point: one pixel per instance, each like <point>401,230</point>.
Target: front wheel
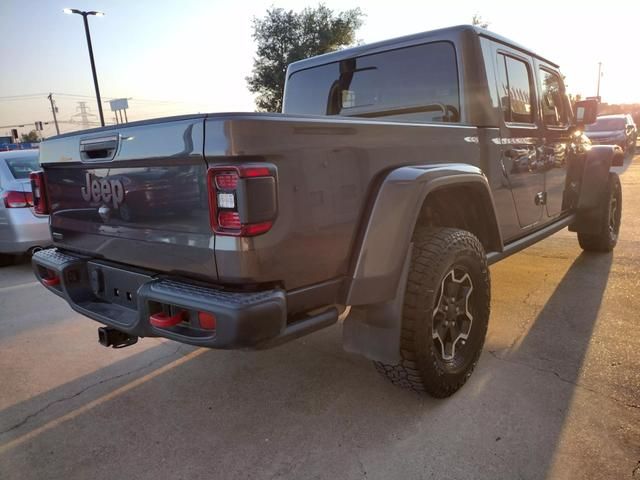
<point>445,312</point>
<point>607,237</point>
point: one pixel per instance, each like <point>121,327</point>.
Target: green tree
<point>478,21</point>
<point>30,137</point>
<point>285,36</point>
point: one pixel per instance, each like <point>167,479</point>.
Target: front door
<point>520,132</point>
<point>554,109</point>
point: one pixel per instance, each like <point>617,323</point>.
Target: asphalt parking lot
<point>556,394</point>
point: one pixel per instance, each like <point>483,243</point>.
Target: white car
<point>21,229</point>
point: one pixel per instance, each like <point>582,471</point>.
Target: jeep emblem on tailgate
<point>109,191</point>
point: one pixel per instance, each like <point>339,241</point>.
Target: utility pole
<point>599,76</point>
<point>53,109</point>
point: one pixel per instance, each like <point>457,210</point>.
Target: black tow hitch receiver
<point>111,337</point>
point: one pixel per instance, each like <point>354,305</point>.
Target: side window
<point>514,85</point>
<point>553,104</point>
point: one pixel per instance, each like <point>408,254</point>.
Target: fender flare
<point>376,288</point>
<point>392,218</point>
<point>593,185</point>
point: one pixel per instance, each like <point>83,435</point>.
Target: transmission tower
<point>83,114</point>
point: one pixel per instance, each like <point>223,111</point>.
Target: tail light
<point>39,193</point>
<point>15,199</point>
<point>242,199</point>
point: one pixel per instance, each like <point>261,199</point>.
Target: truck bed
<point>327,171</point>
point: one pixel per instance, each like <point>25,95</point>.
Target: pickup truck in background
<point>395,175</point>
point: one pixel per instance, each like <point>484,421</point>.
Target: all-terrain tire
<point>436,253</point>
<point>607,237</point>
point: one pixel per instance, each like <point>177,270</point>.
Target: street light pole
<point>599,76</point>
<point>93,64</point>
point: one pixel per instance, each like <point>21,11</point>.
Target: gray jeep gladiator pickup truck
<point>395,175</point>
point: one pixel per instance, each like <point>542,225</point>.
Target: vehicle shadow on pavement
<point>309,410</point>
<point>29,415</point>
<point>554,351</point>
<point>271,412</point>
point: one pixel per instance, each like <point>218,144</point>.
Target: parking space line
<point>119,391</point>
<point>19,286</point>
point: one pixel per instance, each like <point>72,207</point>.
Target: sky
<point>187,56</point>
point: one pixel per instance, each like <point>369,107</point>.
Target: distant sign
<point>5,147</point>
<point>118,104</point>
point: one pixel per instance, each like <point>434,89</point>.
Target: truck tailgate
<point>133,194</point>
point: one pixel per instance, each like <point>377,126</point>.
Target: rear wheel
<point>445,312</point>
<point>607,237</point>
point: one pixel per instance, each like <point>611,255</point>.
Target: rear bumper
<point>243,319</point>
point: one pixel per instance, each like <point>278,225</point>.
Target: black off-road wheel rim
<point>452,319</point>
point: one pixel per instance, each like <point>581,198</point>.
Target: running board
<point>529,240</point>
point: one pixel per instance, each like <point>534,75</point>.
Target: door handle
<point>540,198</point>
<point>96,149</point>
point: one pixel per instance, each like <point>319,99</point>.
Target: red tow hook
<point>50,282</point>
<point>162,320</point>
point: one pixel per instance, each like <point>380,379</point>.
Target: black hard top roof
<point>448,33</point>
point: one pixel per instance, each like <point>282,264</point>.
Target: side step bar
<point>303,327</point>
<point>534,237</point>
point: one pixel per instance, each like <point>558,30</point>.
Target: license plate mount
<point>116,285</point>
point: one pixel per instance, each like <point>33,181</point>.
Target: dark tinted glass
<point>503,89</point>
<point>21,167</point>
<point>417,83</point>
<point>514,88</point>
<point>553,103</point>
<point>519,91</point>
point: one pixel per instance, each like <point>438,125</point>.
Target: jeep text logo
<point>107,191</point>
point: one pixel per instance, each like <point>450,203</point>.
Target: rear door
<point>520,134</point>
<point>133,194</point>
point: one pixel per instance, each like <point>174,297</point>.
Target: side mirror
<point>586,112</point>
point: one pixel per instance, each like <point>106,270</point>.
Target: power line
<point>78,95</point>
<point>12,97</point>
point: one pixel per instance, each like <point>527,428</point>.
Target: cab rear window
<point>21,167</point>
<point>416,84</point>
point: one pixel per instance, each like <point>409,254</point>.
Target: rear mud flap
<point>374,330</point>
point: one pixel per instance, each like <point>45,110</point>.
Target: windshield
<point>21,167</point>
<point>606,125</point>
